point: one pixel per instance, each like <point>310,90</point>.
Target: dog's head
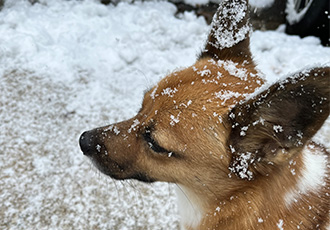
<point>205,125</point>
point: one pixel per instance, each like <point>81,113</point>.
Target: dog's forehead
<point>219,84</point>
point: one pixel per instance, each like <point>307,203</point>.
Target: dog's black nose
<point>86,142</point>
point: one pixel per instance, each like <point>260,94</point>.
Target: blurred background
<point>301,17</point>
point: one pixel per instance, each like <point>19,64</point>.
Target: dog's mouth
<point>115,171</point>
<point>143,178</point>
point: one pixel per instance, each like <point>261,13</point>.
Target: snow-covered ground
<point>69,66</point>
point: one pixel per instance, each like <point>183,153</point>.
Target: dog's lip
<point>109,168</point>
<point>121,176</point>
<point>143,177</point>
<point>108,172</point>
<point>118,172</point>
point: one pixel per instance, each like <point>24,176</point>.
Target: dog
<point>240,152</point>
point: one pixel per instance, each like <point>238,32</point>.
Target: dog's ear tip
<point>230,32</point>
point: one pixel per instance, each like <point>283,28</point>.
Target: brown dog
<point>242,159</point>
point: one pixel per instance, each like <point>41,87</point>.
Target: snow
<point>198,2</point>
<point>225,95</point>
<point>228,30</point>
<point>174,119</point>
<point>134,126</point>
<point>292,15</point>
<point>278,128</point>
<point>70,66</point>
<point>261,3</point>
<point>169,92</point>
<point>233,70</point>
<point>241,165</point>
<point>280,224</point>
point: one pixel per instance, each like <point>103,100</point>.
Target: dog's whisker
<point>123,186</point>
<point>138,192</point>
<point>115,184</point>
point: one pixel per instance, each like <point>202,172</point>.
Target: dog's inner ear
<point>274,125</point>
<point>229,35</point>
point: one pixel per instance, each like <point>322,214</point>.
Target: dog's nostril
<point>86,142</point>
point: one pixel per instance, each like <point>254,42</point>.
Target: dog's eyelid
<point>153,143</point>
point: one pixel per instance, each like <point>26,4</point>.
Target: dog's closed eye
<point>152,143</point>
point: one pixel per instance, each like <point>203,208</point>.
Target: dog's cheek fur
<point>202,160</point>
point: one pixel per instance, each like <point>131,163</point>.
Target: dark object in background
<point>106,2</point>
<point>314,21</point>
<point>207,11</point>
<point>268,18</point>
<point>302,17</point>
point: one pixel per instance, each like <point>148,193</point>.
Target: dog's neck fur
<point>264,203</point>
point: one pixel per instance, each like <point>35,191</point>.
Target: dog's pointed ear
<point>229,37</point>
<point>272,127</point>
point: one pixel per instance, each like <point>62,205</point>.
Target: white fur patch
<point>312,177</point>
<point>328,227</point>
<point>190,209</point>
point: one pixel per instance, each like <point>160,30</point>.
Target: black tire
<point>314,22</point>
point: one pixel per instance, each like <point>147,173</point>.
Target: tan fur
<point>263,200</point>
<point>189,116</point>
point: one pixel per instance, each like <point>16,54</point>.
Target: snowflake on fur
<point>241,164</point>
<point>230,30</point>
